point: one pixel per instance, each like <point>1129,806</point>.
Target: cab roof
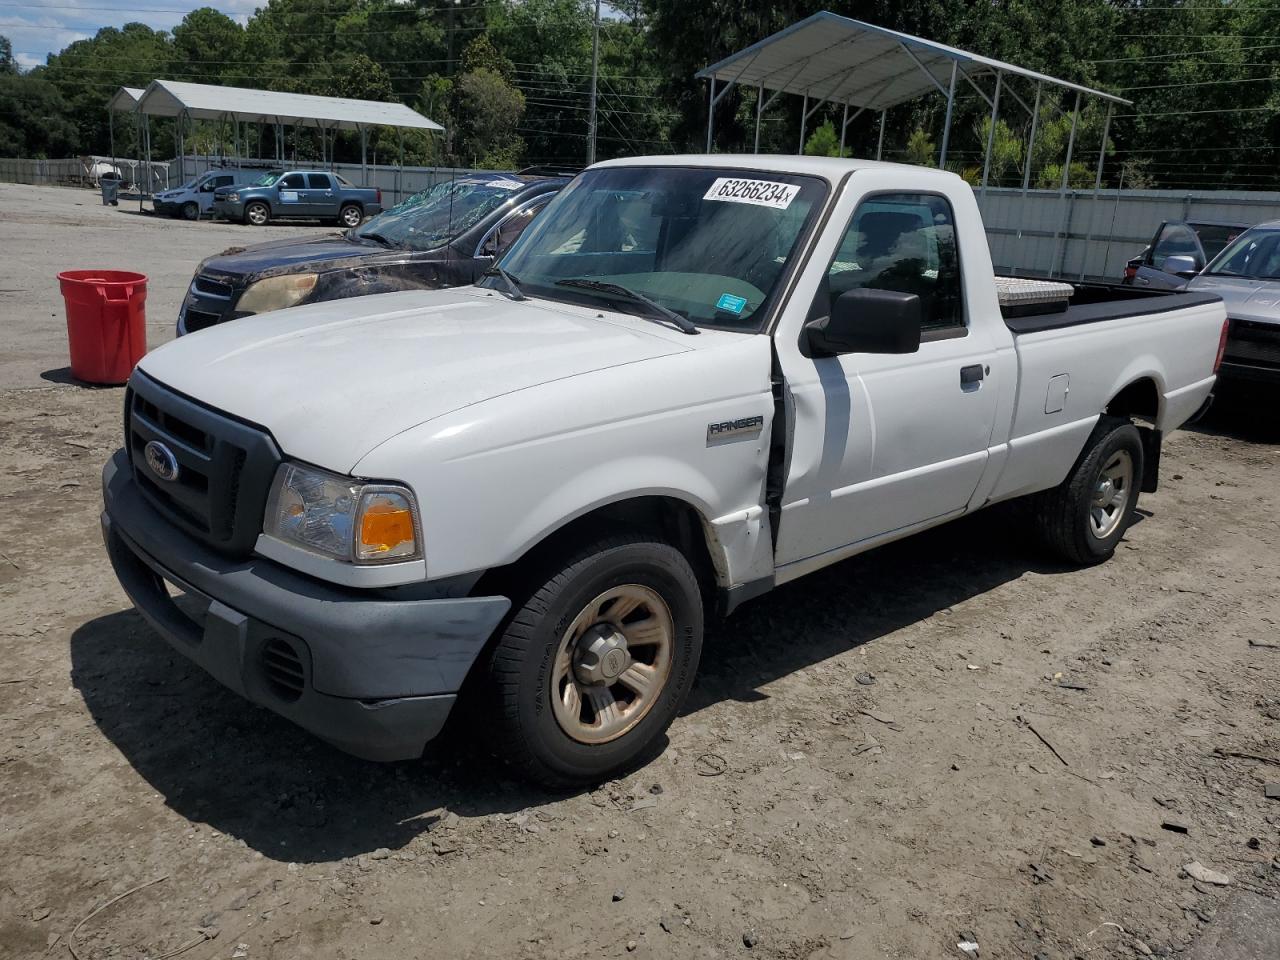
<point>832,169</point>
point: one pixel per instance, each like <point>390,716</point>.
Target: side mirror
<point>1181,266</point>
<point>868,321</point>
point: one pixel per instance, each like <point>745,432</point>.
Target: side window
<point>1176,240</point>
<point>318,181</point>
<point>509,229</point>
<point>223,182</point>
<point>293,181</point>
<point>1214,239</point>
<point>907,243</point>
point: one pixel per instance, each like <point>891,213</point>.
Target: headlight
<point>339,517</point>
<point>276,293</point>
<point>233,197</point>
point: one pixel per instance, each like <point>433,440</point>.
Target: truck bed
<point>1096,302</point>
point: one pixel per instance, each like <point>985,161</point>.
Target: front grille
<point>200,320</point>
<point>282,668</point>
<point>1252,342</point>
<point>213,288</point>
<point>224,466</point>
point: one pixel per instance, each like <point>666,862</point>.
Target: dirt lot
<point>1003,771</point>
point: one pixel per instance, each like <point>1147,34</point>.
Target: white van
<point>194,200</point>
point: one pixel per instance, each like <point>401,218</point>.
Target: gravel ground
<point>947,739</point>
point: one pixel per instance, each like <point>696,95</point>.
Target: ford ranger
<point>692,379</point>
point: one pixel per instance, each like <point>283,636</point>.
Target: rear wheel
<point>350,215</point>
<point>257,214</point>
<point>597,661</point>
<point>1084,518</point>
<point>190,210</point>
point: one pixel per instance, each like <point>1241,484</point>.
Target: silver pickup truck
<point>1246,275</point>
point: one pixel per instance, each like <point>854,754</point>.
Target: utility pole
<point>449,33</point>
<point>595,69</point>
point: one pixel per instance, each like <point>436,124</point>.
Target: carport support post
<point>1071,144</point>
<point>711,112</point>
<point>880,142</point>
<point>946,123</point>
<point>1031,141</point>
<point>1102,151</point>
<point>804,116</point>
<point>759,110</point>
<point>991,134</point>
<point>364,154</point>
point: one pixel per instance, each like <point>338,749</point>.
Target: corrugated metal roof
<point>125,100</point>
<point>830,57</point>
<point>202,101</point>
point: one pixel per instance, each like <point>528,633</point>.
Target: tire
<point>350,216</point>
<point>543,652</point>
<point>257,214</point>
<point>190,210</point>
<point>1083,519</point>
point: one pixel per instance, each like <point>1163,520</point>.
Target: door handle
<point>971,374</point>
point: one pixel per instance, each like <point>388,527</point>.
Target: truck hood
<point>1245,299</point>
<point>331,381</point>
<point>290,256</point>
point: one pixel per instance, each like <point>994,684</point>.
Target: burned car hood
<point>295,256</point>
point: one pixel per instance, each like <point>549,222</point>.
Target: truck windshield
<point>433,217</point>
<point>1255,254</point>
<point>710,244</point>
<point>267,179</point>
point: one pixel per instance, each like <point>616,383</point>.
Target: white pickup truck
<point>693,379</point>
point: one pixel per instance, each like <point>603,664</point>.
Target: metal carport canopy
<point>125,100</point>
<point>833,58</point>
<point>828,58</point>
<point>201,101</point>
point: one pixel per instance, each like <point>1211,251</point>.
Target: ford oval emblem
<point>161,460</point>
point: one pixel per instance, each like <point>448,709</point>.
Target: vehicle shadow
<point>863,599</point>
<point>248,773</point>
<point>1243,411</point>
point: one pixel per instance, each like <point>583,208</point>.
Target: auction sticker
<point>761,193</point>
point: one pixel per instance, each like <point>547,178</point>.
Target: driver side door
<point>887,442</point>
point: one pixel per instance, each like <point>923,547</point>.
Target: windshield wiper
<point>620,292</point>
<point>510,282</point>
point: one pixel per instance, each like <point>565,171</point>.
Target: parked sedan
<point>443,237</point>
<point>1247,277</point>
<point>1178,251</point>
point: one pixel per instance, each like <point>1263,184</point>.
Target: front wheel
<point>257,214</point>
<point>350,216</point>
<point>190,211</point>
<point>1083,519</point>
<point>597,661</point>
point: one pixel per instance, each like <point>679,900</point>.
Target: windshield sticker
<point>731,303</point>
<point>760,193</point>
<point>505,184</point>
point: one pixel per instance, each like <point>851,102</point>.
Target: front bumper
<point>230,209</point>
<point>164,207</point>
<point>1253,352</point>
<point>374,675</point>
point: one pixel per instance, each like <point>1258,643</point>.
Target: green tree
<point>491,110</point>
<point>207,45</point>
<point>7,64</point>
<point>921,150</point>
<point>824,142</point>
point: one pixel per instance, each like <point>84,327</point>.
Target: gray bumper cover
<point>381,674</point>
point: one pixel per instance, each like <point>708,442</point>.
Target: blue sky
<point>41,27</point>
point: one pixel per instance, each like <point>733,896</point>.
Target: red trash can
<point>106,323</point>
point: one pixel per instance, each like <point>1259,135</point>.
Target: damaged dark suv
<point>446,236</point>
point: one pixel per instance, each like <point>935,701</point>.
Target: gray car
<point>1247,276</point>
